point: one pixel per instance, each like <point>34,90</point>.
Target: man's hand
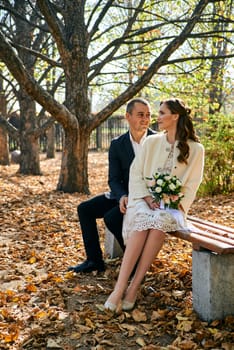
<point>151,203</point>
<point>123,202</point>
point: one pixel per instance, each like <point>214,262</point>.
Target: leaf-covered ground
<point>44,307</point>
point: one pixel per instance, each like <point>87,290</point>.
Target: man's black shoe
<point>88,266</point>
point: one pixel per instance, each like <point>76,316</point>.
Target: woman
<point>176,151</point>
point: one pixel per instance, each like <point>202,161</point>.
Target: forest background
<point>77,63</point>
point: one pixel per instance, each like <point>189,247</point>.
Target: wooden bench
<point>212,266</point>
<point>208,235</point>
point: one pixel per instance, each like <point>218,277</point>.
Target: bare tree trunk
<point>216,90</point>
<point>50,134</point>
<point>217,68</point>
<point>4,148</point>
<point>74,167</point>
<point>29,143</point>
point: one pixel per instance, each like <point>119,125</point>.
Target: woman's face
<point>166,119</point>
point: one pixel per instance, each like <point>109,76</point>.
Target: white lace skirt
<point>140,217</point>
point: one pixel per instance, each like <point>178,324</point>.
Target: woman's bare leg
<point>152,246</point>
<point>134,248</point>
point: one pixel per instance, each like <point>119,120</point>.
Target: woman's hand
<point>123,202</point>
<point>151,203</point>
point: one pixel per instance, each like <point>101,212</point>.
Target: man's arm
<point>116,173</point>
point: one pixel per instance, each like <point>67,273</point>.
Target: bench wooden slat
<point>216,234</point>
<point>199,241</point>
<point>212,244</point>
<point>216,231</point>
<point>194,220</point>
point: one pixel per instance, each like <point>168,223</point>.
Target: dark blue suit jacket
<point>121,155</point>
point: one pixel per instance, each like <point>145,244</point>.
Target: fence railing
<point>100,138</point>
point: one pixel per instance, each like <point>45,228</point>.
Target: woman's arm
<point>192,176</point>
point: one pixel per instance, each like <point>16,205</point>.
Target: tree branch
<point>54,24</point>
<point>100,16</point>
<point>118,42</point>
<point>194,58</point>
<point>42,129</point>
<point>12,131</point>
<point>59,111</point>
<point>37,54</point>
<point>11,10</point>
<point>154,67</point>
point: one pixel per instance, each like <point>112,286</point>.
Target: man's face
<point>139,119</point>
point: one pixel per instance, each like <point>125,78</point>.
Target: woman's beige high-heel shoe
<point>128,305</point>
<point>110,306</point>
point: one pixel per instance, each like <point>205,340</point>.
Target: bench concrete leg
<point>213,285</point>
<point>112,247</point>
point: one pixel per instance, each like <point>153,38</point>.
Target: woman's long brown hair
<point>185,129</point>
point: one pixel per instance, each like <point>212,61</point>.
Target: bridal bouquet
<point>165,189</point>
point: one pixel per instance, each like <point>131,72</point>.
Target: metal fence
<point>100,138</point>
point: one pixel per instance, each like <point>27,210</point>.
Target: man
<point>107,206</point>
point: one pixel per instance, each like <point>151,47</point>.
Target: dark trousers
<point>96,208</point>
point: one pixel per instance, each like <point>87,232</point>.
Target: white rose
<point>158,189</point>
<point>172,187</point>
<point>159,182</point>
